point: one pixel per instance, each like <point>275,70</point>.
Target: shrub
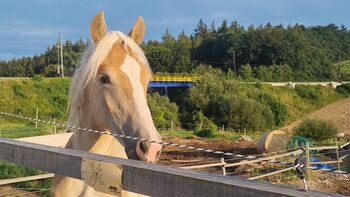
<point>38,78</point>
<point>163,111</point>
<point>316,129</point>
<point>279,110</point>
<point>206,133</point>
<point>344,89</point>
<point>309,92</point>
<point>18,91</point>
<point>238,111</point>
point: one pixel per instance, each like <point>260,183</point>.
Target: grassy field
<point>25,95</point>
<point>223,135</point>
<point>15,129</point>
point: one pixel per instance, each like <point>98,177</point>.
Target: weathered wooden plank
<point>140,177</point>
<point>203,165</point>
<point>271,173</point>
<point>244,162</point>
<point>325,162</point>
<point>343,157</point>
<point>344,145</point>
<point>24,179</point>
<point>323,147</point>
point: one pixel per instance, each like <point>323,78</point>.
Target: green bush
<point>309,92</point>
<point>38,78</point>
<point>316,129</point>
<point>163,111</point>
<point>205,133</point>
<point>344,89</point>
<point>18,91</point>
<point>200,121</point>
<point>278,109</point>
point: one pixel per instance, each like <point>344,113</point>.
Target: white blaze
<point>132,69</point>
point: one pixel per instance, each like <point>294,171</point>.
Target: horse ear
<point>98,27</point>
<point>138,31</point>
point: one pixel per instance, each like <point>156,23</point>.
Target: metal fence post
<point>307,150</point>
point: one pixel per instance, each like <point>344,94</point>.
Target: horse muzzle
<point>147,151</point>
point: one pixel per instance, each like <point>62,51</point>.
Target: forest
<point>265,53</point>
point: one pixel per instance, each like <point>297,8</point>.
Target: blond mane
<point>89,64</point>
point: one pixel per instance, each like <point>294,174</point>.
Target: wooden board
<point>24,179</point>
<point>144,178</point>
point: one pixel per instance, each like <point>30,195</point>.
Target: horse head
<point>110,86</point>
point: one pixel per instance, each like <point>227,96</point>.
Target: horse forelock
<point>90,63</point>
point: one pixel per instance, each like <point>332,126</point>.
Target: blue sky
<point>27,27</point>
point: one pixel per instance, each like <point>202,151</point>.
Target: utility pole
<point>58,59</point>
<point>339,70</point>
<point>61,51</point>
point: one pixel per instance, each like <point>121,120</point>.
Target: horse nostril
<point>145,145</point>
<point>141,149</point>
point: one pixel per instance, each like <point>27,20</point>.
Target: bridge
<point>165,81</point>
<point>160,81</point>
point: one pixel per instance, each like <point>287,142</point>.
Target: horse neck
<point>89,141</point>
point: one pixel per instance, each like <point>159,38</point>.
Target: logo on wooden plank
<point>102,176</point>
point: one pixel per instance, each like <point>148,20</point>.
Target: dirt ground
<point>320,181</point>
<point>325,182</point>
<point>173,156</point>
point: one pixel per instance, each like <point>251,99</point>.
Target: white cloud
<point>25,28</point>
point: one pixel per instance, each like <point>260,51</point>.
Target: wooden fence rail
<point>140,177</point>
<point>24,179</point>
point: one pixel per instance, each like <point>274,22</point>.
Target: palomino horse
<point>108,93</point>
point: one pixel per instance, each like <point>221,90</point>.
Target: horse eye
<point>105,79</point>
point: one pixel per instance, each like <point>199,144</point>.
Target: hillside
<point>50,95</point>
<point>337,112</point>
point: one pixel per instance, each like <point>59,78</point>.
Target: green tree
<point>163,111</point>
<point>247,72</point>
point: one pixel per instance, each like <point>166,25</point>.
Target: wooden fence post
<point>337,151</point>
<point>307,150</point>
<point>36,117</point>
<point>223,166</point>
<point>54,126</point>
<point>172,126</point>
